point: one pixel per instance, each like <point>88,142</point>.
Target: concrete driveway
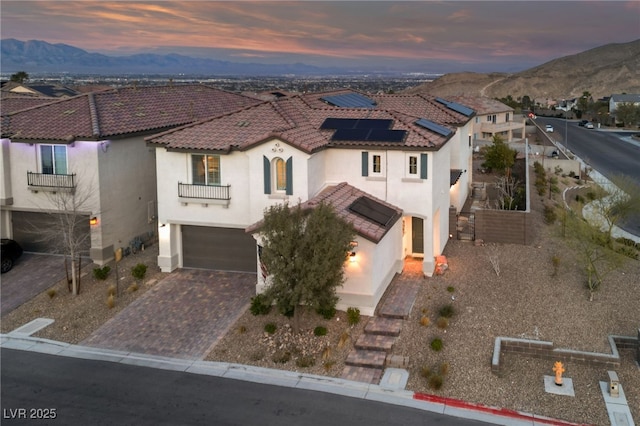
<point>182,316</point>
<point>32,274</point>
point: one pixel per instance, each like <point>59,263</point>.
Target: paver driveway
<point>31,275</point>
<point>182,316</point>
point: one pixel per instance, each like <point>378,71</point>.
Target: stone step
<point>384,326</point>
<point>362,374</point>
<point>375,342</point>
<point>362,358</point>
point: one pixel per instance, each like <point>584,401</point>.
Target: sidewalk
<point>22,341</point>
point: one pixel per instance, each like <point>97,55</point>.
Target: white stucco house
<point>493,118</point>
<point>617,99</point>
<point>385,162</point>
<point>91,147</point>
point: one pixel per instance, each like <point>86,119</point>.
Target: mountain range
<point>602,71</point>
<point>39,56</point>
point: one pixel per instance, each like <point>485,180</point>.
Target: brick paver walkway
<point>182,316</point>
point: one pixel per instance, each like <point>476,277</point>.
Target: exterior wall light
<point>93,221</point>
<point>352,255</point>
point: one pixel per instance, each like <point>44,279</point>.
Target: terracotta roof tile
<point>341,197</point>
<point>117,112</point>
<point>297,120</point>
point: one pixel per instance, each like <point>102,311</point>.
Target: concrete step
<point>363,358</point>
<point>384,326</point>
<point>375,342</point>
<point>362,374</point>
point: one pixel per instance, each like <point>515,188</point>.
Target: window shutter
<point>290,176</point>
<point>267,175</point>
<point>423,166</point>
<point>365,164</point>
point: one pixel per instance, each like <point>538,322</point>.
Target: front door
<point>417,236</point>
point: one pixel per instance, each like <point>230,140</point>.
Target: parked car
<point>582,123</point>
<point>11,251</point>
<point>588,125</point>
<point>548,128</point>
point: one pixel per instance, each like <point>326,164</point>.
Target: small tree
<point>498,156</point>
<point>20,77</point>
<point>628,113</point>
<point>304,251</point>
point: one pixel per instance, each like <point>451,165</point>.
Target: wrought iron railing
<point>46,180</point>
<point>207,192</point>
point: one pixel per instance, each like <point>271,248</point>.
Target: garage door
<point>225,249</point>
<point>41,232</point>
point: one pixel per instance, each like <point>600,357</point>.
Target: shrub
<point>447,311</point>
<point>550,215</point>
<point>281,357</point>
<point>450,289</point>
<point>436,344</point>
<point>353,316</point>
<point>133,288</point>
<point>436,381</point>
<point>270,328</point>
<point>555,261</point>
<point>52,292</point>
<point>320,331</point>
<point>242,329</point>
<point>442,323</point>
<point>305,361</point>
<point>326,353</point>
<point>101,273</point>
<point>139,271</point>
<point>260,305</point>
<point>111,302</point>
<point>257,355</point>
<point>627,251</point>
<point>425,371</point>
<point>328,364</point>
<point>444,368</point>
<point>591,195</point>
<point>344,338</point>
<point>327,312</point>
<point>555,189</point>
<point>425,321</point>
<point>580,199</point>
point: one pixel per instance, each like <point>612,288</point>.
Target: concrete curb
<point>426,402</point>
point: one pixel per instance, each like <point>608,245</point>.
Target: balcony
<point>204,194</point>
<point>50,182</point>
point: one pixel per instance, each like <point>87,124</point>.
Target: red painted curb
<point>504,412</point>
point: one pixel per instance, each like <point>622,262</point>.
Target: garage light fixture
<point>93,221</point>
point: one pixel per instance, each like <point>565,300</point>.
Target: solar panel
<point>430,125</point>
<point>356,123</point>
<point>369,135</point>
<point>464,110</point>
<point>373,211</point>
<point>350,100</point>
<point>384,135</point>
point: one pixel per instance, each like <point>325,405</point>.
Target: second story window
<point>53,159</point>
<point>280,174</point>
<point>413,165</point>
<point>205,169</point>
<point>376,163</point>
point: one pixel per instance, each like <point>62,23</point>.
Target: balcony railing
<point>205,192</point>
<point>51,181</point>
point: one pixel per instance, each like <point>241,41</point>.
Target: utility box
<point>614,384</point>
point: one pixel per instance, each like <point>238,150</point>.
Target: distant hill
<point>39,56</point>
<point>612,68</point>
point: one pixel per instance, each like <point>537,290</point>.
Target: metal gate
<point>466,228</point>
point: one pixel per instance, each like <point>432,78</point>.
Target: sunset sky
<point>414,35</point>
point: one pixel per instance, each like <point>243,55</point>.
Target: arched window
<point>280,174</point>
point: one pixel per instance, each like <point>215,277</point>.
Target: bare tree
<point>66,232</point>
<point>509,193</point>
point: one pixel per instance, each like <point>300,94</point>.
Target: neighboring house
<point>567,104</point>
<point>10,102</point>
<point>393,165</point>
<point>40,90</point>
<point>493,118</point>
<point>616,100</point>
<point>92,146</point>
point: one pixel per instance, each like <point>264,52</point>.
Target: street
<point>47,389</point>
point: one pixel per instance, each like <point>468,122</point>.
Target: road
<point>611,153</point>
<point>89,392</point>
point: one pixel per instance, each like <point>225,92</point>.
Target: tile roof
<point>13,102</point>
<point>120,112</point>
<point>341,196</point>
<point>482,104</point>
<point>297,119</point>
